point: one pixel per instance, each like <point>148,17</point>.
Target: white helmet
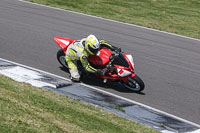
<point>92,44</point>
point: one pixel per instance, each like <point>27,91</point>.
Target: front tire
<point>135,84</point>
<point>61,58</point>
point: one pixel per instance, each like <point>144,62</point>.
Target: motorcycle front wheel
<point>61,58</point>
<point>135,84</point>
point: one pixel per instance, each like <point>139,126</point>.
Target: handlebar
<point>109,66</point>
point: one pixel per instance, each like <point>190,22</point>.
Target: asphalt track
<point>168,64</point>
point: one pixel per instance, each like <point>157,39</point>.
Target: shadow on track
<point>93,81</point>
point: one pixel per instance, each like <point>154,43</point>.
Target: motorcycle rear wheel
<point>135,84</point>
<point>61,58</point>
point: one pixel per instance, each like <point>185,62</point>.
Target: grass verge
<point>24,108</point>
<point>176,16</point>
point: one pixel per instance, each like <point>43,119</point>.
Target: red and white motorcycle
<point>119,66</point>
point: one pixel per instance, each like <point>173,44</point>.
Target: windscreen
<point>121,61</point>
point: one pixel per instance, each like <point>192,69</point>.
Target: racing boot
<point>74,75</point>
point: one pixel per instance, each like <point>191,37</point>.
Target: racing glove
<point>113,48</point>
<point>101,71</point>
<point>116,49</point>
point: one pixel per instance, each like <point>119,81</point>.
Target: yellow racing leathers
<point>76,51</point>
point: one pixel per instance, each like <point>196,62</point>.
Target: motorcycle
<point>119,67</point>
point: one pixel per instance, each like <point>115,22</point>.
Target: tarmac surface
<point>168,64</point>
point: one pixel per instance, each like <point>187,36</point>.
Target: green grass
<point>176,16</point>
<point>117,108</point>
<point>24,108</point>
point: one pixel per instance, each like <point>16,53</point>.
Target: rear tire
<point>135,84</point>
<point>61,58</point>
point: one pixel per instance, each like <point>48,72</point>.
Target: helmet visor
<point>92,50</point>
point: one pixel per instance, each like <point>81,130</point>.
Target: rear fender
<point>63,42</point>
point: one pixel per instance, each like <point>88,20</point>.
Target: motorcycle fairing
<point>123,73</point>
<point>102,57</point>
<point>130,60</point>
<point>63,42</point>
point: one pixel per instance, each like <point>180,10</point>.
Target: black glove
<point>101,71</point>
<point>116,49</point>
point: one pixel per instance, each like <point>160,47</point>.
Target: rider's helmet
<point>92,44</point>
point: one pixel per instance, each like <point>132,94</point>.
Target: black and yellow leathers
<point>76,51</point>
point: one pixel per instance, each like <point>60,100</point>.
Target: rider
<point>80,50</point>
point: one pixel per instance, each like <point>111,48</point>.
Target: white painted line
<point>108,93</point>
<point>166,131</point>
<point>143,105</point>
<point>111,20</point>
<point>22,74</point>
<point>35,69</point>
<point>197,131</point>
